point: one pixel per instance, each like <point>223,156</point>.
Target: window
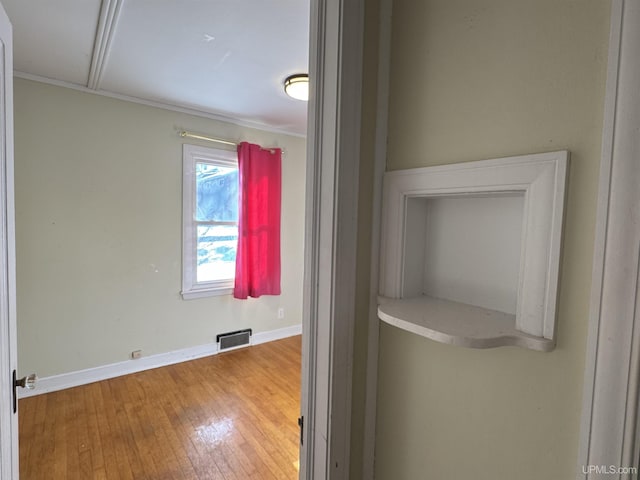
<point>210,221</point>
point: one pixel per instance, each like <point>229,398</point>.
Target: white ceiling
<point>224,58</point>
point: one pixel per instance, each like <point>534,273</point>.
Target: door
<point>8,347</point>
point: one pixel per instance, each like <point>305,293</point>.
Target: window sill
<point>209,292</point>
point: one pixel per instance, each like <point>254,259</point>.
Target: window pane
<point>216,252</point>
<point>216,193</point>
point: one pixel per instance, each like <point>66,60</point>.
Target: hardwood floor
<point>228,416</point>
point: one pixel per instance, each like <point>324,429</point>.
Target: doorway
<point>99,234</point>
<point>326,397</point>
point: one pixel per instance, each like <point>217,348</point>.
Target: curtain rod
<point>184,133</point>
<point>197,136</point>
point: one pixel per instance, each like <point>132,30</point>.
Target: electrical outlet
<point>136,354</point>
<point>280,313</point>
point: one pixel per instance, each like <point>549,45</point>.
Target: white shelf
<point>457,324</point>
<point>485,235</point>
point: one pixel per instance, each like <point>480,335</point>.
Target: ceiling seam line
<point>107,22</point>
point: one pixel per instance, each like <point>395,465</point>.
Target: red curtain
<point>258,254</point>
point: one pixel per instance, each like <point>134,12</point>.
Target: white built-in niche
<point>470,252</point>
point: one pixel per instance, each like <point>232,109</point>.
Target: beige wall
<point>483,79</point>
<point>98,227</point>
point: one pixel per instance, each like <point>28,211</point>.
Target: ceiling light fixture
<point>297,86</point>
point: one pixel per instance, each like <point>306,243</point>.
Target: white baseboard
<point>90,375</point>
<point>271,335</point>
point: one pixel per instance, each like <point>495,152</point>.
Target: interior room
<point>459,234</point>
<point>99,108</point>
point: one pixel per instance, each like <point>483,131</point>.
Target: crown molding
<point>164,106</point>
<point>107,23</point>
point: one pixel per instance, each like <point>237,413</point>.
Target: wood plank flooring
<point>231,416</point>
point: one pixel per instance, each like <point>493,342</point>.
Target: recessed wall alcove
<point>470,252</point>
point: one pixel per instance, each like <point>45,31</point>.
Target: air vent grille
<point>233,340</point>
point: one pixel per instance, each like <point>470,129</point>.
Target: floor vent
<point>233,340</point>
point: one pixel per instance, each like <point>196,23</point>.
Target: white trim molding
<point>9,462</point>
<point>104,372</point>
<point>191,156</point>
<point>333,151</point>
<point>379,167</point>
<point>109,14</point>
<point>609,427</point>
<point>541,179</point>
<point>218,116</point>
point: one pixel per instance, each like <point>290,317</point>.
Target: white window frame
<point>192,154</point>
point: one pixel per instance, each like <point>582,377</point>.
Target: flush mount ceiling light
<point>297,86</point>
